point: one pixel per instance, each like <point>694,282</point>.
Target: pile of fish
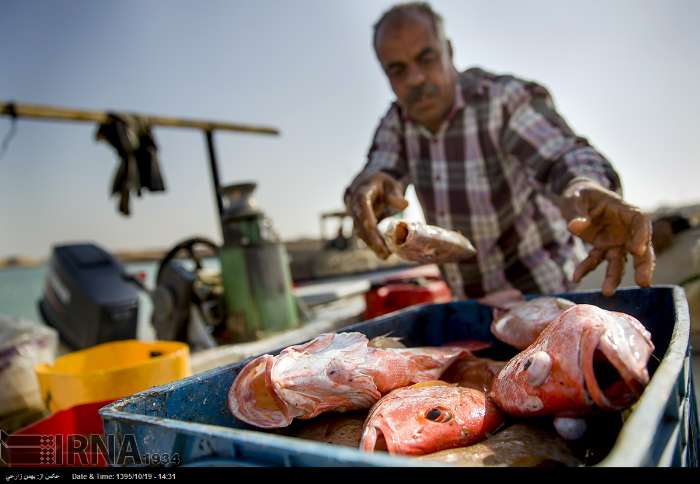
<point>446,403</point>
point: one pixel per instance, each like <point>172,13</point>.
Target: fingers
<point>394,194</point>
<point>588,230</point>
<point>586,219</point>
<point>599,209</point>
<point>579,224</point>
<point>588,264</point>
<point>640,229</point>
<point>616,257</point>
<point>614,228</point>
<point>644,267</point>
<point>366,221</point>
<point>587,199</point>
<point>396,201</point>
<point>370,201</point>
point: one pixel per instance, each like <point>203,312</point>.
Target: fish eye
<point>439,415</point>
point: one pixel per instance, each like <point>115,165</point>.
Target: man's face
<point>419,68</point>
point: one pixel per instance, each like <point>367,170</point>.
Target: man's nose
<point>416,76</point>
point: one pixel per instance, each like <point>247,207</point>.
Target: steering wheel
<point>187,245</point>
<point>171,313</point>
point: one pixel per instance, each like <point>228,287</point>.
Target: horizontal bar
<point>35,111</point>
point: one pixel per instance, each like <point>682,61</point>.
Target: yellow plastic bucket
<point>110,371</point>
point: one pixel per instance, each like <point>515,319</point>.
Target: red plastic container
<point>69,438</point>
<point>395,294</point>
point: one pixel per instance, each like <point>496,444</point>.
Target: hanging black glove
<point>135,145</point>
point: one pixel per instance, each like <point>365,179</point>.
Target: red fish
<point>429,417</point>
<point>587,357</point>
<point>522,322</point>
<point>334,372</point>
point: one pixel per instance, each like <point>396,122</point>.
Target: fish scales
<point>429,417</point>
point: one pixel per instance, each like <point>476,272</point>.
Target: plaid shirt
<point>492,172</point>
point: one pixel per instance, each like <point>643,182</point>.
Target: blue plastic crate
<point>188,422</point>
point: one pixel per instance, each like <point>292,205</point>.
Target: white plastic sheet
<point>23,344</point>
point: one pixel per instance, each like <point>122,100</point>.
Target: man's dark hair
<point>403,10</point>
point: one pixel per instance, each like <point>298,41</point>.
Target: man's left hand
<point>614,228</point>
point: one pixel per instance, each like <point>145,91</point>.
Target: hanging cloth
<point>132,140</point>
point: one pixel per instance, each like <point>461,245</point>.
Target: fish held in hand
<point>428,417</point>
<point>522,322</point>
<point>586,358</point>
<point>427,244</point>
<point>333,372</point>
<point>520,445</point>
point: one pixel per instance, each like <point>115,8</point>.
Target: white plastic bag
<point>23,344</point>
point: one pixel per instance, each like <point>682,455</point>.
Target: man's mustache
<point>418,92</point>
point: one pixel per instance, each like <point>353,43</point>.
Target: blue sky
<point>624,73</point>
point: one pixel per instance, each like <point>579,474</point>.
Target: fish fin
<point>376,342</point>
<point>388,336</point>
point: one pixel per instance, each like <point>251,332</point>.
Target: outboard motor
<point>87,298</point>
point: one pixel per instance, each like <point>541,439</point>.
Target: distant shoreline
<point>20,262</point>
<point>13,262</point>
<point>144,255</point>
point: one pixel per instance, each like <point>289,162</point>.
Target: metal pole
<point>52,113</point>
<point>214,172</point>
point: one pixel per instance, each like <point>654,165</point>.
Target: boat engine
<point>86,297</point>
<point>91,299</point>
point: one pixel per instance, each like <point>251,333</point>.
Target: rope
<point>12,112</point>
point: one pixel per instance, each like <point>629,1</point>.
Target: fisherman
<point>490,157</point>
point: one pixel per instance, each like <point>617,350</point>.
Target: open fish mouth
<point>400,234</point>
<point>374,440</point>
<point>254,400</point>
<point>615,375</point>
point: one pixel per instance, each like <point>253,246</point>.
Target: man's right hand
<point>371,201</point>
